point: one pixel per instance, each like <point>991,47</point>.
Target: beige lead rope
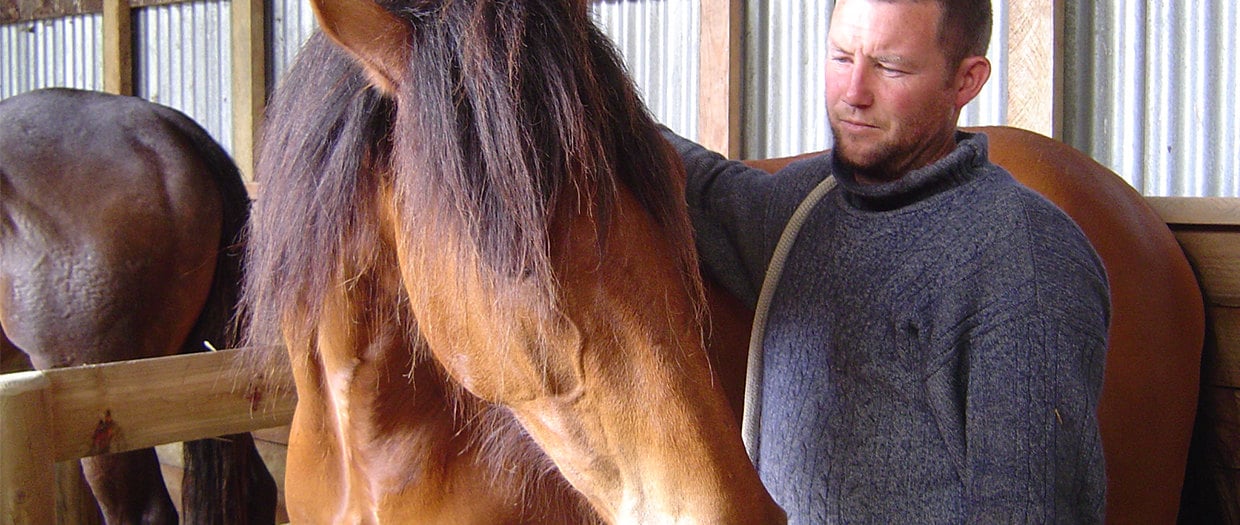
<point>751,422</point>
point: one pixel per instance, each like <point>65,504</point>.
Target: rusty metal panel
<point>182,59</point>
<point>60,52</point>
<point>1151,93</point>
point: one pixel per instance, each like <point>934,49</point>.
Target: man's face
<point>890,96</point>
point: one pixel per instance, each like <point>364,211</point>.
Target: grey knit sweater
<point>934,350</point>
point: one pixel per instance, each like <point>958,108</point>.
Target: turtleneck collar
<point>956,169</point>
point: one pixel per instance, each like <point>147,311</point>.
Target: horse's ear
<point>378,39</point>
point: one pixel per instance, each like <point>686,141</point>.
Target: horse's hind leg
<point>142,498</point>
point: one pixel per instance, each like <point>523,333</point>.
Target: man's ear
<point>378,39</point>
<point>970,77</point>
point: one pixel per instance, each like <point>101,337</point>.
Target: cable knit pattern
<point>935,349</point>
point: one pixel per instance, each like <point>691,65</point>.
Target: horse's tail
<point>225,480</point>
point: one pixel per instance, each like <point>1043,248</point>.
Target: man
<point>934,348</point>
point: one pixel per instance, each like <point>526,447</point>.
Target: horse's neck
<point>404,440</point>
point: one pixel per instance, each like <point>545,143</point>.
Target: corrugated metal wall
<point>63,52</point>
<point>659,42</point>
<point>289,24</point>
<point>1151,92</point>
<point>1134,99</point>
<point>657,38</point>
<point>182,59</point>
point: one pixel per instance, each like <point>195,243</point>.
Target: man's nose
<point>859,92</point>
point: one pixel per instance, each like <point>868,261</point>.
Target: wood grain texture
<point>1210,212</point>
<point>1035,78</point>
<point>719,79</point>
<point>116,407</point>
<point>249,80</point>
<point>27,472</point>
<point>1215,256</point>
<point>15,11</point>
<point>117,47</point>
<point>1221,359</point>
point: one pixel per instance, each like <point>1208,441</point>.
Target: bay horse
<point>473,243</point>
<point>119,221</point>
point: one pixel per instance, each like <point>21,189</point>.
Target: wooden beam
<point>116,407</point>
<point>27,474</point>
<point>70,413</point>
<point>1214,255</point>
<point>1035,71</point>
<point>249,80</point>
<point>14,11</point>
<point>719,77</point>
<point>1199,211</point>
<point>117,47</point>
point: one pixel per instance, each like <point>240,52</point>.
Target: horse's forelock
<point>509,106</point>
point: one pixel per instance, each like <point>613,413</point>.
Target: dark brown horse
<point>473,242</point>
<point>117,224</point>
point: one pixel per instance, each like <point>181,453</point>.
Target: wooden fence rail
<point>71,413</point>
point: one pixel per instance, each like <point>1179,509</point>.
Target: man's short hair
<point>964,30</point>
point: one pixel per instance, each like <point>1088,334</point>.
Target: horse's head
<point>536,226</point>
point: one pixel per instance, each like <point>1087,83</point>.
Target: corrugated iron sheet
<point>1151,93</point>
<point>62,52</point>
<point>182,59</point>
<point>1149,85</point>
<point>659,42</point>
<point>657,38</point>
<point>290,23</point>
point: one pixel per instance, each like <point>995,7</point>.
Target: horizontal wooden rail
<point>70,413</point>
<point>1197,211</point>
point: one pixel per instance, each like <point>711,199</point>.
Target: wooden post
<point>249,80</point>
<point>75,503</point>
<point>27,472</point>
<point>1035,58</point>
<point>719,78</point>
<point>117,47</point>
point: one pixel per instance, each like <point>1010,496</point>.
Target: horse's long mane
<point>322,128</point>
<point>506,108</point>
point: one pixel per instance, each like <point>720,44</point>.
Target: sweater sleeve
<point>728,204</point>
<point>1032,448</point>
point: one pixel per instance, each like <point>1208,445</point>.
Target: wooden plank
<point>719,77</point>
<point>27,474</point>
<point>249,79</point>
<point>1035,66</point>
<point>117,47</point>
<point>75,503</point>
<point>15,11</point>
<point>1221,410</point>
<point>129,405</point>
<point>1197,211</point>
<point>1221,359</point>
<point>1215,257</point>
